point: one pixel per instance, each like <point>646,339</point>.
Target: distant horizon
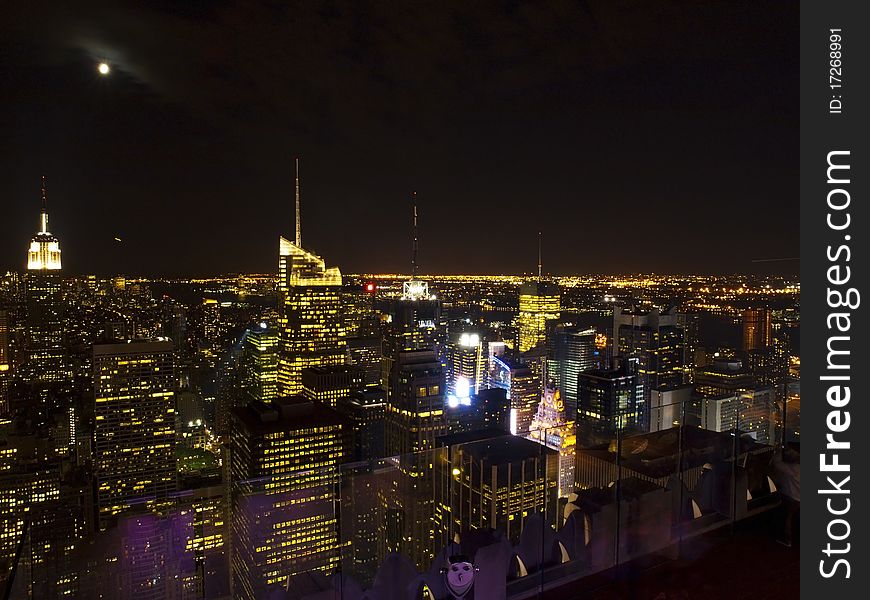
<point>228,274</point>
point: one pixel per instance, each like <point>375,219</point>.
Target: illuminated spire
<point>43,216</point>
<point>298,212</point>
<point>44,251</point>
<point>539,255</point>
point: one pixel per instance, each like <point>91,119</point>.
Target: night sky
<point>638,135</point>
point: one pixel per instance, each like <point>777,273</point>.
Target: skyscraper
<point>284,469</point>
<point>259,362</point>
<point>499,482</point>
<point>415,418</point>
<point>44,251</point>
<point>608,403</point>
<point>466,364</point>
<point>415,408</point>
<point>310,318</point>
<point>46,356</point>
<point>525,394</point>
<point>756,329</point>
<point>657,341</point>
<point>540,304</point>
<point>331,385</point>
<point>134,431</point>
<point>5,362</point>
<point>574,351</point>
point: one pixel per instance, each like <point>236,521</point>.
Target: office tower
<point>284,476</point>
<point>607,403</point>
<point>410,324</point>
<point>499,482</point>
<point>366,410</point>
<point>134,431</point>
<point>258,362</point>
<point>415,418</point>
<point>750,412</point>
<point>330,385</point>
<point>724,376</point>
<point>769,364</point>
<point>540,305</point>
<point>210,322</point>
<point>5,362</point>
<point>366,353</point>
<point>175,323</point>
<point>657,341</point>
<point>756,329</point>
<point>360,317</point>
<point>415,407</point>
<point>573,352</point>
<point>496,409</point>
<point>310,318</point>
<point>551,427</point>
<point>466,365</point>
<point>525,394</point>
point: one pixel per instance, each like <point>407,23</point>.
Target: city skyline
<point>518,140</point>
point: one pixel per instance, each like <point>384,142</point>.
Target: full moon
<point>103,68</point>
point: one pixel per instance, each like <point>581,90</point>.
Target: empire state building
<point>44,252</point>
<point>46,354</point>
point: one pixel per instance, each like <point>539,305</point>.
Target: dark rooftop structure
<point>283,414</point>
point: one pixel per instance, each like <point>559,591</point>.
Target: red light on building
<point>370,287</point>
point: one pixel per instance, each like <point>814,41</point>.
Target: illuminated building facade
<point>756,329</point>
<point>284,470</point>
<point>608,403</point>
<point>573,352</point>
<point>540,304</point>
<point>366,354</point>
<point>44,251</point>
<point>525,394</point>
<point>415,408</point>
<point>415,418</point>
<point>310,322</point>
<point>467,365</point>
<point>722,377</point>
<point>552,428</point>
<point>5,363</point>
<point>750,412</point>
<point>134,431</point>
<point>259,362</point>
<point>331,385</point>
<point>366,409</point>
<point>657,342</point>
<point>46,354</point>
<point>499,482</point>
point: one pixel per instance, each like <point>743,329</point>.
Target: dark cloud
<point>640,136</point>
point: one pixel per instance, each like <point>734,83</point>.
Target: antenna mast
<point>298,212</point>
<point>539,255</point>
<point>414,247</point>
<point>43,216</point>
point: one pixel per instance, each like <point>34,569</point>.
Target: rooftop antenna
<point>298,212</point>
<point>43,216</point>
<point>414,247</point>
<point>539,255</point>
